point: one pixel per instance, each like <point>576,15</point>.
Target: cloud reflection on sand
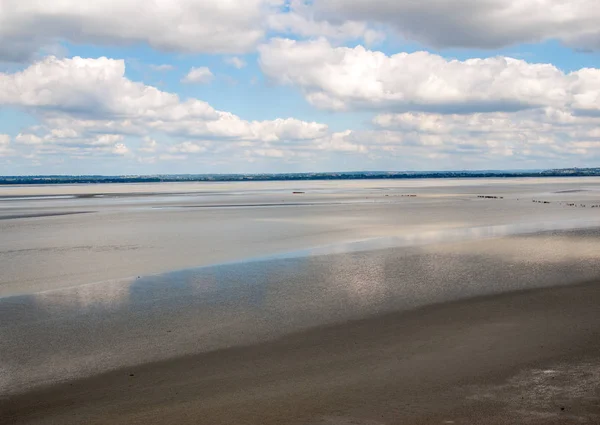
<point>86,297</point>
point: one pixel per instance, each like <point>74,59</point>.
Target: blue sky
<point>297,86</point>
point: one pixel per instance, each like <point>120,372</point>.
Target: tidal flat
<point>334,302</point>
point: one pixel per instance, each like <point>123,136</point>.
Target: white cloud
<point>236,26</point>
<point>475,23</point>
<point>88,108</point>
<point>120,149</point>
<point>194,26</point>
<point>201,75</point>
<point>169,157</point>
<point>28,139</point>
<point>109,140</point>
<point>88,87</point>
<point>66,141</point>
<point>231,127</point>
<point>162,68</point>
<point>269,153</point>
<point>64,133</point>
<point>148,145</point>
<point>5,149</point>
<point>345,141</point>
<point>89,105</point>
<point>289,129</point>
<point>236,62</point>
<point>188,147</point>
<point>542,133</point>
<point>342,78</point>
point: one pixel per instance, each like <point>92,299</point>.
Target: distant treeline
<point>359,175</point>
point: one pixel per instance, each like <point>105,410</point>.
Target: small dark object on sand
<point>298,193</point>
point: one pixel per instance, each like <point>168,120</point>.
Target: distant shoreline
<point>358,175</point>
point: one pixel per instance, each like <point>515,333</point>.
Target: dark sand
<point>40,215</point>
<point>528,357</point>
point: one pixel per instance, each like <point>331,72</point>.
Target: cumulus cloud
<point>478,112</point>
<point>545,133</point>
<point>201,75</point>
<point>87,87</point>
<point>228,126</point>
<point>194,26</point>
<point>57,140</point>
<point>236,62</point>
<point>474,23</point>
<point>89,104</point>
<point>341,78</point>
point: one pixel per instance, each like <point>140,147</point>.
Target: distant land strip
<point>350,175</point>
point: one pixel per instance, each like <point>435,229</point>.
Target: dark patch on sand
<point>39,215</point>
<point>249,205</point>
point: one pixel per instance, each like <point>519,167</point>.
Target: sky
<point>121,87</point>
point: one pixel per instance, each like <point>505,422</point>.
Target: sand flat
<point>121,237</point>
<point>352,304</point>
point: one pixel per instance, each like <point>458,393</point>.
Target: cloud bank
<point>342,78</point>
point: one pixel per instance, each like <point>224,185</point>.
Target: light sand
<point>123,237</point>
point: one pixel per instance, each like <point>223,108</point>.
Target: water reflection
<point>85,297</point>
<point>88,329</point>
<point>443,235</point>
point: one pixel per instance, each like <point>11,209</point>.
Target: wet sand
<point>346,308</point>
<point>527,357</point>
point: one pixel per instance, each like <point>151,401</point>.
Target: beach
<point>361,302</point>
